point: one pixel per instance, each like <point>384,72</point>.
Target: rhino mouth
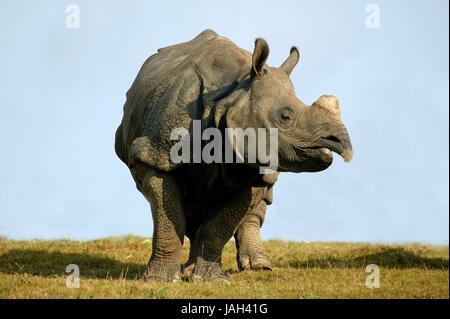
<point>343,148</point>
<point>319,153</point>
<point>332,144</point>
<point>327,145</point>
<point>317,157</point>
<point>309,159</point>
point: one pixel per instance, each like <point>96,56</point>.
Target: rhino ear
<point>291,61</point>
<point>260,54</point>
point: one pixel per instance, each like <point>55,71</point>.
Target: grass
<point>112,267</point>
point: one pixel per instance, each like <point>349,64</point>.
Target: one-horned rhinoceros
<point>211,87</point>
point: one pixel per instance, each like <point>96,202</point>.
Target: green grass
<point>112,267</point>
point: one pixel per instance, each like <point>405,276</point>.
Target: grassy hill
<point>111,268</point>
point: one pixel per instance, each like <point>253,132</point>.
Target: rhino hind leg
<point>250,250</point>
<point>216,231</point>
<point>162,191</point>
<point>192,226</point>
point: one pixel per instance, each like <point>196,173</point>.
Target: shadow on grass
<point>49,264</point>
<point>388,258</point>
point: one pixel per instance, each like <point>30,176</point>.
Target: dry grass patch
<point>112,268</point>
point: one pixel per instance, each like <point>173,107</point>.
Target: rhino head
<point>307,135</point>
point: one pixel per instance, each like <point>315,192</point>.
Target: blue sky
<point>62,93</point>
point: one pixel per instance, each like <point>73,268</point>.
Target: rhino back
<point>173,87</point>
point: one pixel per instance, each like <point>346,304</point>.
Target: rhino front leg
<point>250,250</point>
<point>163,193</point>
<point>215,232</point>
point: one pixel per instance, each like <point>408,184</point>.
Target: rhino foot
<point>250,249</point>
<point>253,261</point>
<point>209,271</point>
<point>162,271</point>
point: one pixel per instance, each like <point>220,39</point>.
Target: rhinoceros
<point>214,83</point>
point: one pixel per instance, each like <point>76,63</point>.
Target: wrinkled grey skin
<point>210,79</point>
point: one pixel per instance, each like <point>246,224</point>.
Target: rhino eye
<point>286,115</point>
